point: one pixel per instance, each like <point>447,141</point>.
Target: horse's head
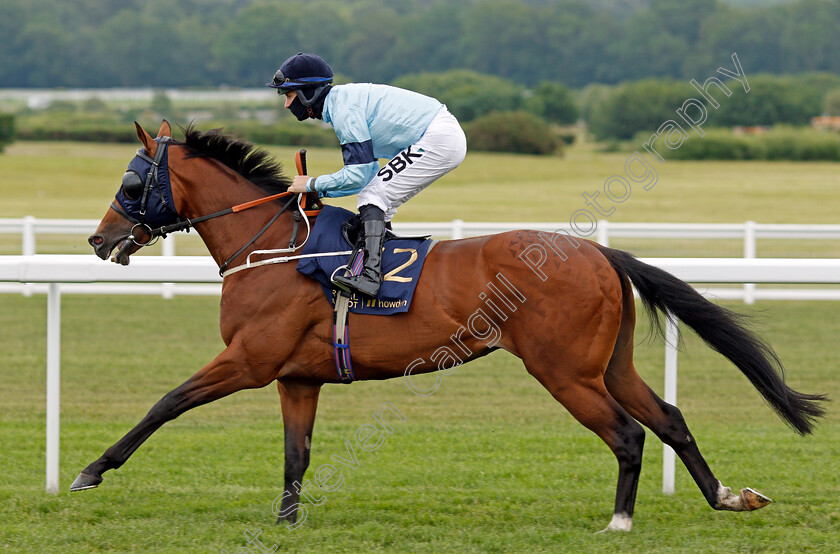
<point>172,186</point>
<point>143,202</point>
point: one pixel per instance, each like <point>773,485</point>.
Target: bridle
<point>134,186</point>
<point>131,185</point>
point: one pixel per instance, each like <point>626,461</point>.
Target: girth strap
<point>341,338</point>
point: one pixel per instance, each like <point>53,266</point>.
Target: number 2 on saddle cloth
<point>402,262</point>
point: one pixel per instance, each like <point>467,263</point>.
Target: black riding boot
<point>367,282</point>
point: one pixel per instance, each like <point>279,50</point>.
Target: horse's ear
<point>165,129</point>
<point>148,142</point>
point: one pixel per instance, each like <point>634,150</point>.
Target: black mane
<point>245,158</point>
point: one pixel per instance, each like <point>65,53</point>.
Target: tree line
<point>158,43</point>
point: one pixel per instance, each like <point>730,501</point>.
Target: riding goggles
<point>284,84</point>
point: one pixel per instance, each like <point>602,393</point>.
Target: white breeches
<point>440,150</point>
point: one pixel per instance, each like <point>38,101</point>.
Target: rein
<point>292,242</point>
<point>186,224</point>
<point>152,182</point>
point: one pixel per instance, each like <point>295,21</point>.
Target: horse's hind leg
<point>667,422</point>
<point>588,400</point>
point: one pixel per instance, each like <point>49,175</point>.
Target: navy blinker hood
<point>160,206</point>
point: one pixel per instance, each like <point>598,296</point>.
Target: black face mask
<point>298,109</point>
<point>315,109</point>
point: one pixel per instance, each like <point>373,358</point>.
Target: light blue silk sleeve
<point>350,179</point>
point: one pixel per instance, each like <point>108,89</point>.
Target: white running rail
<point>55,270</point>
<point>749,232</point>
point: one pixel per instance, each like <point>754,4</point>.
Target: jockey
<point>419,136</point>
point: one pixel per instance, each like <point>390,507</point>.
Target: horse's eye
<point>132,185</point>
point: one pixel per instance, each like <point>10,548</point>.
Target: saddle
<point>326,252</point>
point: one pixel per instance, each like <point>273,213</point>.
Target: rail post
<point>168,249</point>
<point>53,383</point>
<point>672,338</point>
<point>749,253</point>
<point>604,232</point>
<point>457,228</point>
<point>27,246</point>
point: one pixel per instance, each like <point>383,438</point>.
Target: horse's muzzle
<point>103,248</point>
<point>100,248</point>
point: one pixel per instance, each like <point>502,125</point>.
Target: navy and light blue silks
<point>372,122</point>
<point>402,262</point>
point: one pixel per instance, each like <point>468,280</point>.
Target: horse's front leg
<point>298,402</point>
<point>226,374</point>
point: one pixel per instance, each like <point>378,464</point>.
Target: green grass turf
<point>73,180</point>
<point>489,462</point>
<point>78,180</point>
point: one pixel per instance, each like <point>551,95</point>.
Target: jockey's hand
<point>299,183</point>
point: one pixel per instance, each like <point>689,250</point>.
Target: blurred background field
<point>527,77</point>
<point>78,180</point>
<point>555,96</point>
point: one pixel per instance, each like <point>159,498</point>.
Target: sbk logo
<point>398,164</point>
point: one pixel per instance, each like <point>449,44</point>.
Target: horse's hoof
<point>619,522</point>
<point>754,500</point>
<point>85,481</point>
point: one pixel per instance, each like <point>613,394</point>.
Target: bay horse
<point>570,318</point>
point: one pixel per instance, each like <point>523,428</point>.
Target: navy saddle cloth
<point>402,262</point>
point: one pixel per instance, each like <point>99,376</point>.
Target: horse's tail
<point>724,331</point>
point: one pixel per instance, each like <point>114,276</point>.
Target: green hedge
<point>467,94</point>
<point>86,127</point>
<point>519,132</point>
<point>620,112</point>
<point>627,109</point>
<point>553,102</point>
<point>778,144</point>
<point>287,133</point>
<point>801,145</point>
<point>7,130</point>
<point>72,126</point>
